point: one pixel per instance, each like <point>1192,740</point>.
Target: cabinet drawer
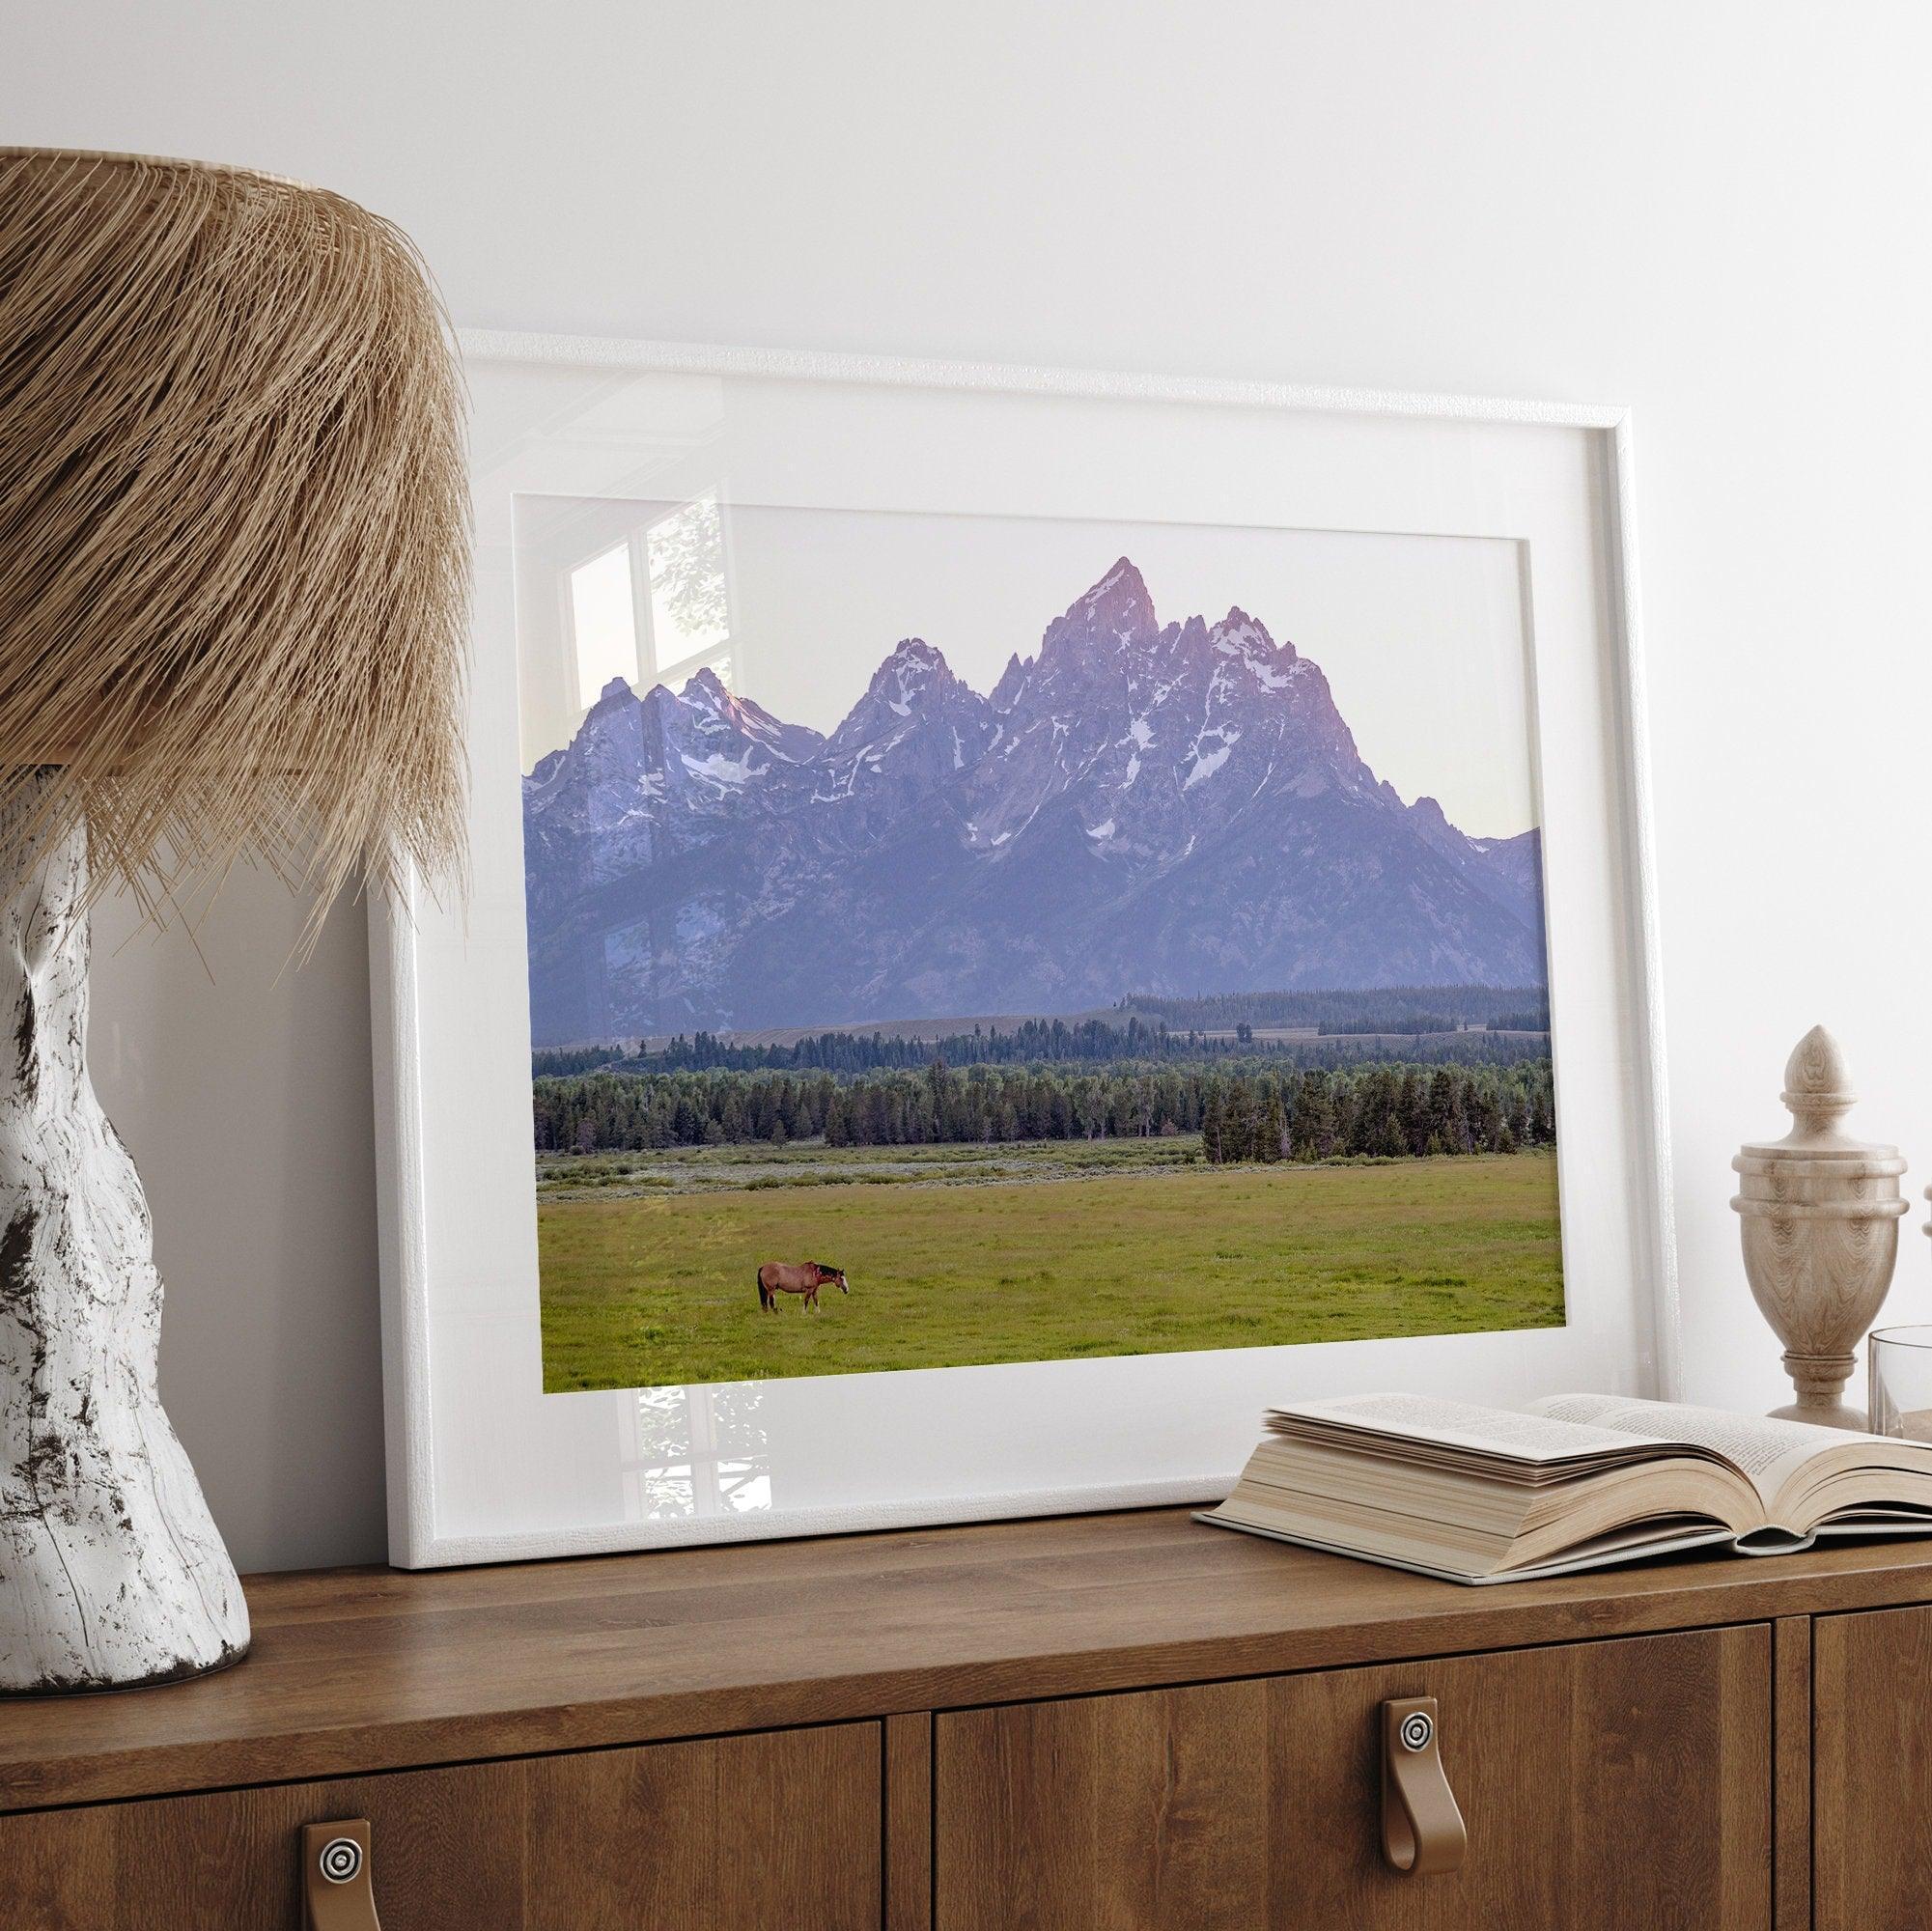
<point>1606,1786</point>
<point>736,1835</point>
<point>1871,1770</point>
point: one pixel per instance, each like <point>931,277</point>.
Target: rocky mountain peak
<point>1239,632</point>
<point>706,692</point>
<point>912,664</point>
<point>614,716</point>
<point>1115,613</point>
<point>1245,639</point>
<point>913,686</point>
<point>1012,680</point>
<point>914,727</point>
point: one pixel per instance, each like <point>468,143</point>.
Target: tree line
<point>1415,1024</point>
<point>1389,1111</point>
<point>1399,1009</point>
<point>1033,1042</point>
<point>1247,1110</point>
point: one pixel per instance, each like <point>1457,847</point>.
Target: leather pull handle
<point>336,1891</point>
<point>1422,1829</point>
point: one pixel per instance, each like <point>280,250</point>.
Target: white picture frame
<point>484,1467</point>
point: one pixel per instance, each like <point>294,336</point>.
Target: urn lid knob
<point>1817,1087</point>
<point>1818,1091</point>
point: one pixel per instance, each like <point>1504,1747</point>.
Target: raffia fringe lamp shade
<point>233,588</point>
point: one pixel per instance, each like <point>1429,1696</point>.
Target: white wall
<point>1716,211</point>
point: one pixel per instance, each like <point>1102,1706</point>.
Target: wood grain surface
<point>743,1834</point>
<point>909,1822</point>
<point>1613,1786</point>
<point>356,1671</point>
<point>1872,1771</point>
<point>1791,1754</point>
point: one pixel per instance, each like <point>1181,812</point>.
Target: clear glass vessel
<point>1901,1381</point>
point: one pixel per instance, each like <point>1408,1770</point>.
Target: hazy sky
<point>1422,638</point>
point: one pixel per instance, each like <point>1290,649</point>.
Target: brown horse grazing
<point>777,1277</point>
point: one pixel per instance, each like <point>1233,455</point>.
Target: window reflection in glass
<point>698,1451</point>
<point>690,607</point>
<point>655,607</point>
<point>603,621</point>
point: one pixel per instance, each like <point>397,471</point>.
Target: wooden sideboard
<point>1117,1721</point>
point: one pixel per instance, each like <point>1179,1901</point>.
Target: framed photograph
<point>1017,918</point>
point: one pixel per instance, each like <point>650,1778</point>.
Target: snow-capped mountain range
<point>1136,808</point>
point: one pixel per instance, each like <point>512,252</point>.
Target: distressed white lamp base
<point>111,1571</point>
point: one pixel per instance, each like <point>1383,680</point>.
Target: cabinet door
<point>1606,1786</point>
<point>1871,1770</point>
<point>736,1834</point>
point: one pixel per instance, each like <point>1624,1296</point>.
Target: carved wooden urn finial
<point>1818,1090</point>
<point>1820,1213</point>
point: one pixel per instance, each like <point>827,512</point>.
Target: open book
<point>1493,1495</point>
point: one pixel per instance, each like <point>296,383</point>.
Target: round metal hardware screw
<point>340,1859</point>
<point>1416,1730</point>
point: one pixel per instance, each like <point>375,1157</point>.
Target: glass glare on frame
<point>603,621</point>
<point>689,612</point>
<point>679,623</point>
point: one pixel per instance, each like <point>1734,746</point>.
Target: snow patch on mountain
<point>1206,766</point>
<point>718,768</point>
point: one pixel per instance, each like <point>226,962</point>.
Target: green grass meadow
<point>1045,1252</point>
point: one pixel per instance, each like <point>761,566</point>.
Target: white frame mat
<point>485,1467</point>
